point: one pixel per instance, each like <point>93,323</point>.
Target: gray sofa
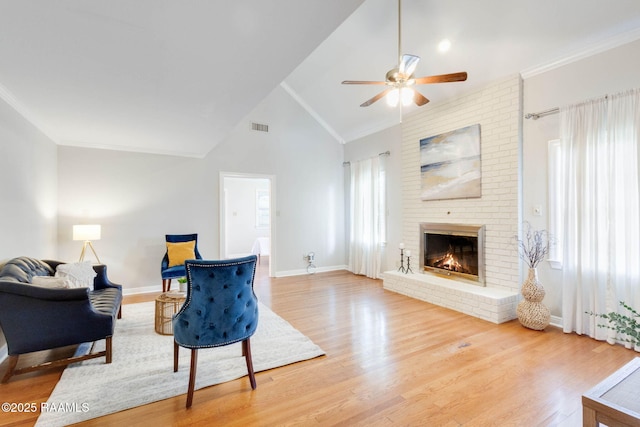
<point>35,318</point>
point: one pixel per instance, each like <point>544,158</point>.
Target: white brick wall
<point>491,304</point>
<point>497,107</point>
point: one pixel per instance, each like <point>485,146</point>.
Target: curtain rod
<point>386,153</point>
<point>536,116</point>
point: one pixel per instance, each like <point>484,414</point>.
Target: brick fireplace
<point>497,108</point>
<point>452,273</point>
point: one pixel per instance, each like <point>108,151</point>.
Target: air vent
<point>259,127</point>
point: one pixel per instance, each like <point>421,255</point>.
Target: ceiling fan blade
<point>362,82</point>
<point>408,64</point>
<point>442,78</point>
<point>419,99</point>
<point>376,98</point>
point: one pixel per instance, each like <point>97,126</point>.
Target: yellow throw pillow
<point>180,252</point>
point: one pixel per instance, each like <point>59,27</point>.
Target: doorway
<point>247,224</point>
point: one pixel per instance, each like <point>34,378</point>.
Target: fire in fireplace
<point>455,250</point>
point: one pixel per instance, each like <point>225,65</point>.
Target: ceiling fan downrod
<point>399,31</point>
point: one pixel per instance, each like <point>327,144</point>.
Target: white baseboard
<point>556,321</point>
<point>156,288</point>
<point>146,289</point>
<point>304,271</point>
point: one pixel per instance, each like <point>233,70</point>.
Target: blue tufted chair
<point>221,309</point>
<point>176,271</point>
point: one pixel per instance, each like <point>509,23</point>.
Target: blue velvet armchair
<point>169,271</point>
<point>221,309</point>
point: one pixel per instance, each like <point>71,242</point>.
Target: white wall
<point>612,71</point>
<point>138,198</point>
<point>371,146</point>
<point>28,172</point>
<point>307,164</point>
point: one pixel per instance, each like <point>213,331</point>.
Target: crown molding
<point>603,46</point>
<point>29,116</point>
<point>131,149</point>
<point>312,112</point>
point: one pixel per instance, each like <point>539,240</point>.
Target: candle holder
<point>408,266</point>
<point>402,269</point>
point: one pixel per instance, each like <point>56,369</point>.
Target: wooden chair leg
<point>246,352</point>
<point>192,376</point>
<point>108,348</point>
<point>13,362</point>
<point>176,350</point>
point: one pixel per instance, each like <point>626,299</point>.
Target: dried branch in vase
<point>533,247</point>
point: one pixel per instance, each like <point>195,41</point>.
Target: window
<point>595,208</point>
<point>367,217</point>
<point>262,208</point>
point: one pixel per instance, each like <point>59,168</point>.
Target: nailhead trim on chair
<point>197,287</point>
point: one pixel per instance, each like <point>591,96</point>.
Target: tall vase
<point>531,312</point>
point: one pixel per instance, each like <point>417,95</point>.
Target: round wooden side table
<point>167,304</point>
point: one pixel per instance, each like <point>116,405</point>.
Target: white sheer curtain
<point>367,217</point>
<point>601,229</point>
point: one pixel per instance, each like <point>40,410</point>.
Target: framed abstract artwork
<point>450,165</point>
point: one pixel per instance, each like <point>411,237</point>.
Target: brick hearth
<point>494,305</point>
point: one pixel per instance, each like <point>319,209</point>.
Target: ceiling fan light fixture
<point>393,97</point>
<point>402,95</point>
<point>406,96</point>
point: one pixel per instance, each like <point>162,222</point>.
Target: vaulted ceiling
<point>175,77</point>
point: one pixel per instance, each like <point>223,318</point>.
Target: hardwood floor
<point>390,360</point>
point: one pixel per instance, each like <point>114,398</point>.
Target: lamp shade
<point>86,232</point>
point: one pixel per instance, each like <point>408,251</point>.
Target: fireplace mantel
<point>491,304</point>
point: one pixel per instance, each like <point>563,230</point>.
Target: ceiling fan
<point>400,80</point>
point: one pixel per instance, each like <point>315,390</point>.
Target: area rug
<point>142,367</point>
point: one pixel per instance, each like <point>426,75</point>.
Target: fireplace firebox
<point>453,250</point>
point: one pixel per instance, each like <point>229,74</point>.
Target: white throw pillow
<point>80,274</point>
<point>51,282</point>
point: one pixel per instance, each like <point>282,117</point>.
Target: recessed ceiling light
<point>444,45</point>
